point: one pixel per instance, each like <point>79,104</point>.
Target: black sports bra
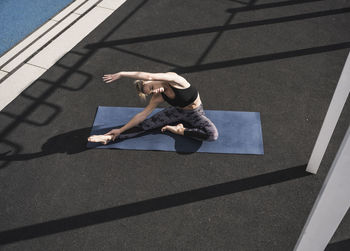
<point>183,97</point>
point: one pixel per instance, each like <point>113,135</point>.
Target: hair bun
<point>140,89</point>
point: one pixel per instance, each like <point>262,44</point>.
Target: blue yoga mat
<point>239,132</point>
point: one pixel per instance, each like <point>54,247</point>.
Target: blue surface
<point>239,132</point>
<point>19,18</point>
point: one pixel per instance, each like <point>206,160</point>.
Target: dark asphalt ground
<point>280,58</point>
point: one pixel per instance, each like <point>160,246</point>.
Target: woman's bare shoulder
<point>178,81</point>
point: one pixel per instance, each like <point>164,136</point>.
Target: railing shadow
<point>150,205</point>
<point>262,58</point>
<point>227,27</point>
<point>22,117</point>
<point>268,5</point>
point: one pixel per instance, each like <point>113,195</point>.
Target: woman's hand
<point>108,78</point>
<point>114,133</point>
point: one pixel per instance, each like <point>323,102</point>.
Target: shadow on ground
<point>339,246</point>
<point>75,141</point>
<point>151,205</point>
<point>70,143</point>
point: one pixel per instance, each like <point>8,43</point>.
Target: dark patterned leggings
<point>199,126</point>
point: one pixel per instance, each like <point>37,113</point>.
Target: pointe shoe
<point>103,139</point>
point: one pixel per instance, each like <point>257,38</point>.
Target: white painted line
<point>68,10</point>
<point>16,83</point>
<point>2,74</point>
<point>111,4</point>
<point>86,7</point>
<point>71,37</point>
<point>11,53</point>
<point>38,44</point>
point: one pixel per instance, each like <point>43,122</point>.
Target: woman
<point>185,104</point>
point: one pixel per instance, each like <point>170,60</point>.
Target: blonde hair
<point>140,91</point>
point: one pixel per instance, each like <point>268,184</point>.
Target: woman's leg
<point>202,128</point>
<point>166,116</point>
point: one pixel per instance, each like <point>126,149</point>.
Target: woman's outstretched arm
<point>138,118</point>
<point>171,77</point>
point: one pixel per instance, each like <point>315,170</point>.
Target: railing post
<point>335,108</point>
<point>331,204</point>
